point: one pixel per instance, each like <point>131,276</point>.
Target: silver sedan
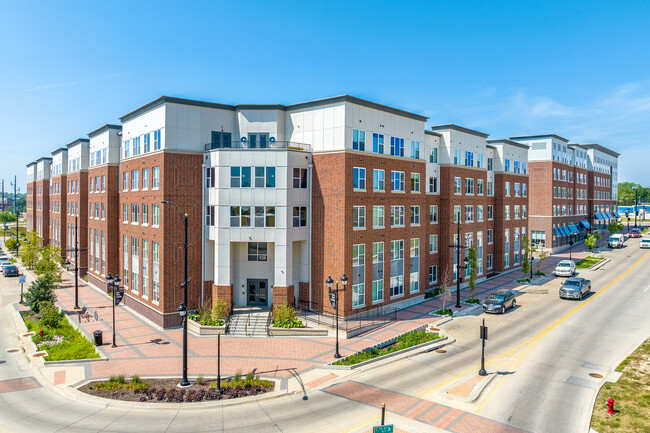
<point>575,288</point>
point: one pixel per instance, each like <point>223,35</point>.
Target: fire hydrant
<point>610,406</point>
<point>40,333</point>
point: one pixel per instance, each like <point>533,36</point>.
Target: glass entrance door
<point>258,140</point>
<point>257,290</point>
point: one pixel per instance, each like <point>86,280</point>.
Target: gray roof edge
<point>31,163</point>
<point>172,100</point>
<point>522,137</point>
<point>459,128</point>
<point>44,158</point>
<point>358,101</point>
<point>509,142</point>
<point>426,131</point>
<point>78,140</point>
<point>59,150</point>
<point>104,128</point>
<point>602,149</point>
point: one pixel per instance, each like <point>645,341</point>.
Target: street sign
<point>333,299</point>
<point>383,429</point>
<point>22,279</point>
<point>119,294</point>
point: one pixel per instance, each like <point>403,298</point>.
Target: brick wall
<point>44,213</point>
<point>59,201</point>
<point>501,224</point>
<point>81,198</point>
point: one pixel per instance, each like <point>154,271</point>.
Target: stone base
<point>283,295</point>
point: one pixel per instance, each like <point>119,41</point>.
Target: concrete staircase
<point>249,321</point>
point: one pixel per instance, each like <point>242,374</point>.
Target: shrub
<point>445,312</point>
<point>50,316</point>
<point>237,377</point>
<point>284,316</point>
<point>199,380</point>
<point>135,379</point>
<point>120,379</point>
<point>11,243</point>
<point>41,290</point>
<point>220,309</point>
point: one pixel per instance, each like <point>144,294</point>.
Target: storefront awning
<point>610,216</point>
<point>585,224</point>
<point>599,216</point>
<point>617,215</point>
<point>557,232</point>
<point>566,231</point>
<point>573,229</point>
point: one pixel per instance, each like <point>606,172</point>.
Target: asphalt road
<point>540,355</point>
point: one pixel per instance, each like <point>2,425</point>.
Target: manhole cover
<point>441,351</point>
<point>596,375</point>
<point>13,350</point>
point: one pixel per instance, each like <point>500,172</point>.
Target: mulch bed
<point>167,391</point>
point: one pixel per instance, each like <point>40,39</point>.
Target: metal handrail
<point>365,317</point>
<point>268,322</point>
<point>290,145</point>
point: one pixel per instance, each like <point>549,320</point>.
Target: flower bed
<point>402,342</point>
<point>588,262</point>
<point>167,391</point>
<point>60,340</point>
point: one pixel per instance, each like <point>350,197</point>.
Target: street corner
<point>466,391</point>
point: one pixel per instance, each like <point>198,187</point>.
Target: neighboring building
<point>42,187</point>
<point>58,199</point>
<point>104,204</point>
<point>77,204</point>
<point>30,205</point>
<point>603,184</point>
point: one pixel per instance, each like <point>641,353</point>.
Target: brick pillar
<point>225,293</point>
<point>283,295</point>
<point>303,294</point>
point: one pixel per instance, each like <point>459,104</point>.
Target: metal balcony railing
<point>285,145</point>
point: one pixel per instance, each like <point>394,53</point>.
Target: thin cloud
<point>74,83</point>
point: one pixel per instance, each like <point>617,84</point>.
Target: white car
<point>3,265</point>
<point>566,268</point>
<point>645,243</point>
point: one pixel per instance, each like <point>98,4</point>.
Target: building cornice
<point>533,137</point>
<point>509,143</point>
<point>78,141</point>
<point>459,128</point>
<point>602,149</point>
<point>104,128</point>
<point>357,101</point>
<point>171,100</point>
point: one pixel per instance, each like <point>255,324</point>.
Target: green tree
<point>11,244</point>
<point>50,263</point>
<point>540,258</point>
<point>597,235</point>
<point>590,242</point>
<point>473,265</point>
<point>40,291</point>
<point>31,250</point>
<point>525,262</point>
<point>614,227</point>
<point>7,217</point>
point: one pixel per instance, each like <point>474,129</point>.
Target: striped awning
<point>599,216</point>
<point>610,216</point>
<point>566,231</point>
<point>616,214</point>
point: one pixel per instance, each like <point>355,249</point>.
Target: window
<point>147,145</point>
<point>457,187</point>
<point>490,164</point>
<point>415,261</point>
<point>358,140</point>
<point>136,146</point>
<point>125,261</point>
<point>209,215</point>
<point>507,212</point>
<point>415,182</point>
<point>456,214</point>
<point>479,186</point>
<point>260,179</point>
<point>433,243</point>
<point>378,180</point>
<point>125,181</point>
<point>524,213</point>
<point>125,154</point>
<point>134,214</point>
<point>155,182</point>
<point>506,254</point>
<point>240,216</point>
<point>235,177</point>
<point>479,160</point>
<point>397,216</point>
<point>135,265</point>
<point>378,143</point>
<point>433,155</point>
<point>490,188</point>
<point>156,140</point>
<point>469,159</point>
<point>490,214</point>
<point>358,265</point>
<point>507,189</point>
<point>489,261</point>
<point>257,251</point>
<point>469,186</point>
<point>433,184</point>
<point>103,211</point>
<point>155,260</point>
<point>397,268</point>
<point>433,213</point>
<point>415,215</point>
<point>490,238</point>
<point>300,216</point>
<point>515,166</point>
<point>270,177</point>
<point>479,213</point>
<point>415,149</point>
<point>358,217</point>
<point>517,189</point>
<point>523,190</point>
<point>378,216</point>
<point>517,212</point>
<point>134,179</point>
<point>397,146</point>
<point>125,213</point>
<point>145,214</point>
<point>145,179</point>
<point>145,268</point>
<point>469,214</point>
<point>506,165</point>
<point>397,180</point>
<point>156,215</point>
<point>245,178</point>
<point>457,156</point>
<point>433,274</point>
<point>378,263</point>
<point>359,178</point>
<point>300,178</point>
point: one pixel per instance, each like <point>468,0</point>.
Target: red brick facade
<point>513,201</point>
<point>77,199</point>
<point>42,209</point>
<point>58,213</point>
<point>30,206</point>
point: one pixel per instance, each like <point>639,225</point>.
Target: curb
<point>474,394</point>
<point>600,264</point>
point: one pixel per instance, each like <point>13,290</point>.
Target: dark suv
<point>10,271</point>
<point>500,301</point>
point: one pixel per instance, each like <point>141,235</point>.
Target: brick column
<point>283,295</point>
<point>225,293</point>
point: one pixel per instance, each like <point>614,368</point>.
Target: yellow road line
<point>536,338</point>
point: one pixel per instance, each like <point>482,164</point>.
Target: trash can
<point>99,339</point>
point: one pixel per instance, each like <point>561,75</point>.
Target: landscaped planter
<point>297,332</point>
<point>199,329</point>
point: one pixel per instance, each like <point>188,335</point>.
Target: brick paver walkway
<point>147,350</point>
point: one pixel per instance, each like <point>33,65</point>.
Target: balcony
<point>282,145</point>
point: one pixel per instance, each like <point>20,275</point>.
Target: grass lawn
<point>588,262</point>
<point>631,394</point>
<point>62,342</point>
<point>404,341</point>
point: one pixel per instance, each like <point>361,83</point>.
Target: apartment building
<point>30,205</point>
<point>58,199</point>
<point>42,201</point>
<point>103,204</point>
<point>77,204</point>
<point>603,184</point>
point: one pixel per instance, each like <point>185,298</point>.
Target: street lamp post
<point>570,245</point>
<point>114,285</point>
<point>458,246</point>
<point>76,263</point>
<point>334,299</point>
<point>182,309</point>
<point>531,261</point>
<point>636,195</point>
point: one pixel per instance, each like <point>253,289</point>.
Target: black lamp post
<point>531,260</point>
<point>458,246</point>
<point>76,264</point>
<point>334,299</point>
<point>636,196</point>
<point>113,284</point>
<point>570,245</point>
<point>182,310</point>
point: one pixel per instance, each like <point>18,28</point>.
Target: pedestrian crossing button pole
<point>484,336</point>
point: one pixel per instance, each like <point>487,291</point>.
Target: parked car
<point>645,243</point>
<point>500,301</point>
<point>575,288</point>
<point>10,271</point>
<point>635,233</point>
<point>616,241</point>
<point>4,264</point>
<point>566,268</point>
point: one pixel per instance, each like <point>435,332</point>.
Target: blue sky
<point>577,69</point>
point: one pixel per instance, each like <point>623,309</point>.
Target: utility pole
<point>3,195</point>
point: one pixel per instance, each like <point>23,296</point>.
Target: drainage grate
<point>13,350</point>
<point>596,375</point>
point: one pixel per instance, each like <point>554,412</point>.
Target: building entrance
<point>257,291</point>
